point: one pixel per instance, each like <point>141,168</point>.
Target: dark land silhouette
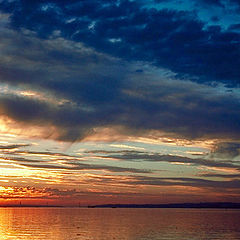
<point>173,205</point>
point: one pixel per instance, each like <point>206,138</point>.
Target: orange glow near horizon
<point>18,196</point>
<point>38,171</point>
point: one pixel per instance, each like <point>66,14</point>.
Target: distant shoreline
<point>173,205</point>
<point>216,205</point>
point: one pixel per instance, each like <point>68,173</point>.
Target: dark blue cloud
<point>227,150</point>
<point>176,40</point>
<point>71,58</point>
<point>235,27</point>
<point>156,157</point>
<point>82,90</point>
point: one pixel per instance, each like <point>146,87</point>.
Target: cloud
<point>156,157</point>
<point>235,27</point>
<point>82,166</point>
<point>28,192</point>
<point>21,192</point>
<point>13,146</point>
<point>112,151</point>
<point>20,160</point>
<point>47,154</point>
<point>214,175</point>
<point>80,86</point>
<point>73,164</point>
<point>191,182</point>
<point>227,150</point>
<point>160,106</point>
<point>176,40</point>
<point>210,187</point>
<point>213,2</point>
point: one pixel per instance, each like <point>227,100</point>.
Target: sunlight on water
<point>123,224</point>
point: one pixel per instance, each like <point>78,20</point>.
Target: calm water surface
<point>123,224</point>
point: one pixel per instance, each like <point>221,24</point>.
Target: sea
<point>117,223</point>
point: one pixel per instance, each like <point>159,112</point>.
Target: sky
<point>119,101</point>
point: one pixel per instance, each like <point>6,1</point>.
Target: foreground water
<point>122,224</point>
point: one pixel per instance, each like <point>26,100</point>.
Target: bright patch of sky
<point>223,15</point>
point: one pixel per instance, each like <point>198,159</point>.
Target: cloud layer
<point>91,90</point>
<point>144,72</point>
<point>174,39</point>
